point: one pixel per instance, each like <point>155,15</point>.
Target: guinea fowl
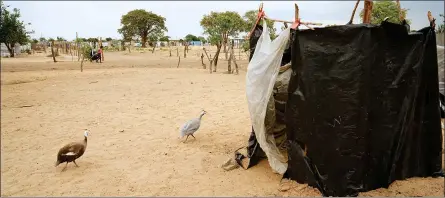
<point>191,126</point>
<point>72,151</point>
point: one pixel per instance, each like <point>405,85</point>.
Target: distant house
<point>195,43</point>
<point>17,49</point>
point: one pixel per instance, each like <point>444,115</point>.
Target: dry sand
<point>133,104</point>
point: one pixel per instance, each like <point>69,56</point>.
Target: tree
<point>441,27</point>
<point>202,39</point>
<point>35,41</point>
<point>142,24</point>
<point>12,29</point>
<point>191,37</point>
<point>219,26</point>
<point>60,39</point>
<point>250,19</point>
<point>383,9</point>
<point>51,39</point>
<point>42,39</point>
<point>108,39</point>
<point>165,39</point>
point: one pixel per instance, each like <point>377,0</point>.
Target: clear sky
<point>102,18</point>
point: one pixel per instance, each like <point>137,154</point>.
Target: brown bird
<point>72,151</point>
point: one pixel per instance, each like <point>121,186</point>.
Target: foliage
<point>51,39</point>
<point>60,39</point>
<point>202,39</point>
<point>108,39</point>
<point>42,39</point>
<point>191,37</point>
<point>441,27</point>
<point>164,38</point>
<point>383,9</point>
<point>220,25</point>
<point>12,29</point>
<point>250,19</point>
<point>35,41</point>
<point>143,24</point>
<point>85,50</point>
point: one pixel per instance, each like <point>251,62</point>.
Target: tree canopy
<point>142,24</point>
<point>12,29</point>
<point>191,37</point>
<point>60,39</point>
<point>383,9</point>
<point>164,38</point>
<point>108,39</point>
<point>250,19</point>
<point>220,25</point>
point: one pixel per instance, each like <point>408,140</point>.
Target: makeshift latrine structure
<point>362,106</point>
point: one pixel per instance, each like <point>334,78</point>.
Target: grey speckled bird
<point>191,126</point>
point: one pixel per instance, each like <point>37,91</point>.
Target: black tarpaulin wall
<point>365,101</point>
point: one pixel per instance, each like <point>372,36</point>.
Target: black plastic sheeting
<point>364,99</point>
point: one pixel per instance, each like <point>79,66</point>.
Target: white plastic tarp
<point>261,74</point>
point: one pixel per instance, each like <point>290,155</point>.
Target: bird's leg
<point>193,136</point>
<point>64,168</point>
<point>75,163</point>
<point>186,138</point>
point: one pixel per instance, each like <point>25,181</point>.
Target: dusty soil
<point>133,104</point>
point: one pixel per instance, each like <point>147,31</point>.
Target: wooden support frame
<point>262,15</point>
<point>368,11</point>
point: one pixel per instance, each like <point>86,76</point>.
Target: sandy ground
<point>133,104</point>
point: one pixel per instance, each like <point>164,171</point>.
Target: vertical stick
<point>81,63</point>
<point>177,50</point>
<point>297,14</point>
<point>77,47</point>
<point>202,61</point>
<point>52,51</point>
<point>185,51</point>
<point>179,61</point>
<point>368,11</point>
<point>234,61</point>
<point>353,12</point>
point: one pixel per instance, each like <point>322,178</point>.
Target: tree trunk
<point>154,47</point>
<point>215,59</point>
<point>170,51</point>
<point>52,51</point>
<point>10,49</point>
<point>225,37</point>
<point>144,40</point>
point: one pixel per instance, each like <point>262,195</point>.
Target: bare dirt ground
<point>133,104</point>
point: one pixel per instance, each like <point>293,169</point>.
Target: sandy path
<point>146,159</point>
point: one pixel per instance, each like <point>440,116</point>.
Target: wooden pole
<point>229,64</point>
<point>368,11</point>
<point>202,61</point>
<point>185,51</point>
<point>78,47</point>
<point>52,51</point>
<point>177,50</point>
<point>234,59</point>
<point>353,12</point>
<point>297,14</point>
<point>179,61</point>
